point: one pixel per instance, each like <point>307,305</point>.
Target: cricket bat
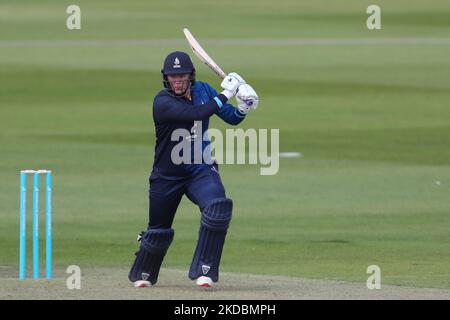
<point>202,55</point>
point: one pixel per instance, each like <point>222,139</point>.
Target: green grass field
<point>371,122</point>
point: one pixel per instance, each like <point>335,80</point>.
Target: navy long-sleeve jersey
<point>171,112</point>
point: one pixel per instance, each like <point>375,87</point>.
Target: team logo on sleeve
<point>176,63</point>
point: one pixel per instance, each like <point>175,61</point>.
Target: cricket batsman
<point>185,103</point>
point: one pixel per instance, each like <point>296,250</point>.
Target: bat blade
<point>202,55</point>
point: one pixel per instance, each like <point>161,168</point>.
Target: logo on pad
<point>205,269</point>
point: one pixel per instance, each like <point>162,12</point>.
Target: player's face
<point>179,82</point>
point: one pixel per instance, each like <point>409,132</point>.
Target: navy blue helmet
<point>177,62</point>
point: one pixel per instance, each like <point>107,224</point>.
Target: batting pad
<point>215,220</point>
<point>154,245</point>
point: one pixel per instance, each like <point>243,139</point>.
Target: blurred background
<point>368,110</point>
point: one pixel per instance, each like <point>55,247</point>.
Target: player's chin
<point>179,90</point>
